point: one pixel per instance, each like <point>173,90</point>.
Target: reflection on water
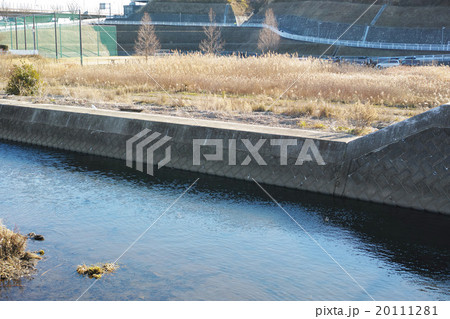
<point>224,240</point>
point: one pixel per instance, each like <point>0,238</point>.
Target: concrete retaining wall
<point>405,164</point>
<point>345,31</point>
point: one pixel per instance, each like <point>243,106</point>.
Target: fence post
<point>11,34</point>
<point>81,39</point>
<point>37,37</point>
<point>17,39</point>
<point>25,31</point>
<point>34,34</point>
<point>60,43</point>
<point>56,36</point>
<point>98,41</point>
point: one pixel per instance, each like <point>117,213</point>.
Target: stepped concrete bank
<point>406,164</point>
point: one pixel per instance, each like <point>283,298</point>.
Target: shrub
<point>24,80</point>
<point>258,108</point>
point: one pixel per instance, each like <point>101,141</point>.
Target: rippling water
<point>223,240</point>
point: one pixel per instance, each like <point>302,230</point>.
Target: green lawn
<point>97,40</point>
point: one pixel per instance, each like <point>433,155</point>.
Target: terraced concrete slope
<point>199,8</point>
<point>414,14</point>
<point>388,21</point>
<point>398,13</point>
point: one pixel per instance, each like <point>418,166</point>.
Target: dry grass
<point>337,96</point>
<point>15,262</point>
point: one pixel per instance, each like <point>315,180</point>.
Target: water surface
<point>223,240</point>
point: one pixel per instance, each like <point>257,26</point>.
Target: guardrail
<point>297,37</point>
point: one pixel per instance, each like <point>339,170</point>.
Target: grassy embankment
<point>326,96</point>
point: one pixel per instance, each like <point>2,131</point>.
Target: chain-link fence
<point>58,35</point>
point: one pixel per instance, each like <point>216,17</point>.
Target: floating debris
<point>96,271</point>
<point>35,236</point>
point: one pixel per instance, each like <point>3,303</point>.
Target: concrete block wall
<point>322,29</point>
<point>198,12</point>
<point>333,30</point>
<point>188,17</point>
<point>405,164</point>
<point>407,35</point>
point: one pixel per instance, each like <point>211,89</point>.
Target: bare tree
<point>268,39</point>
<point>147,42</point>
<point>4,8</point>
<point>73,7</point>
<point>57,8</point>
<point>213,43</point>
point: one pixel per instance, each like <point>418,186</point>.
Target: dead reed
<point>338,96</point>
<point>15,261</point>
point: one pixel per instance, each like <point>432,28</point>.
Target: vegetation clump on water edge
<point>15,261</point>
<point>98,270</point>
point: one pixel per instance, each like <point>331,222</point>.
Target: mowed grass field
<point>312,94</point>
<point>97,40</point>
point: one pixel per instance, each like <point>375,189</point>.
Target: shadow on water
<point>416,241</point>
<point>7,285</point>
<point>411,238</point>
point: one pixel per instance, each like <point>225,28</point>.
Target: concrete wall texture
<point>406,164</point>
<point>345,31</point>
